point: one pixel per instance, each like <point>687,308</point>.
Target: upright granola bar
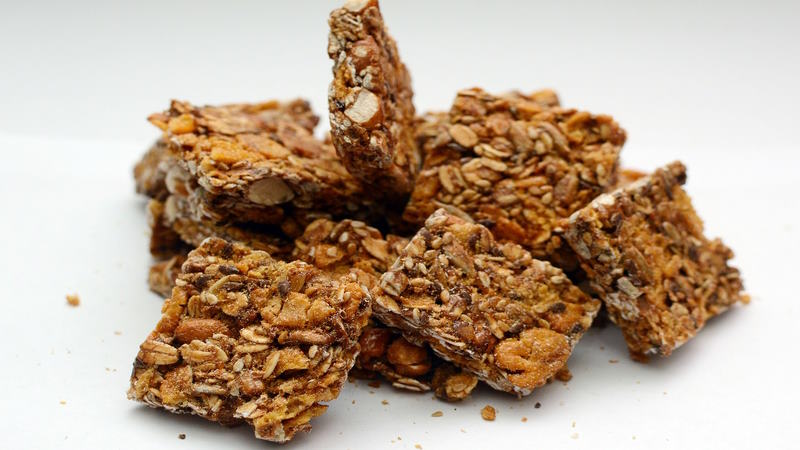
<point>355,249</point>
<point>489,308</point>
<point>246,338</point>
<point>370,101</point>
<point>517,164</point>
<point>643,249</point>
<point>257,163</point>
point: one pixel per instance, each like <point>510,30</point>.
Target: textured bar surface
<point>489,308</point>
<point>643,249</point>
<point>246,338</point>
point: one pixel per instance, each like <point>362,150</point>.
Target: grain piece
<point>246,338</point>
<point>516,164</point>
<point>162,275</point>
<point>370,101</point>
<point>256,164</point>
<point>489,308</point>
<point>488,413</point>
<point>150,172</point>
<point>351,248</point>
<point>643,249</point>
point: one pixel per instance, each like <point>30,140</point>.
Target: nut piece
<point>269,191</point>
<point>489,308</point>
<point>254,343</point>
<point>370,102</point>
<point>643,249</point>
<point>519,164</point>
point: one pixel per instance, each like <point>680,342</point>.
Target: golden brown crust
<point>245,338</point>
<point>489,308</point>
<point>370,101</point>
<point>517,164</point>
<point>643,249</point>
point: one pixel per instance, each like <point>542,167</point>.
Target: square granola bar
<point>246,338</point>
<point>489,308</point>
<point>643,250</point>
<point>370,101</point>
<point>517,164</point>
<point>256,163</point>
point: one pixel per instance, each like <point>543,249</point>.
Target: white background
<point>711,83</point>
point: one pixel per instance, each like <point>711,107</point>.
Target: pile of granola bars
<point>433,251</point>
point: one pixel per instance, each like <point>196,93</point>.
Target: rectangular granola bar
<point>246,338</point>
<point>517,164</point>
<point>370,101</point>
<point>256,163</point>
<point>643,249</point>
<point>489,308</point>
<point>351,248</point>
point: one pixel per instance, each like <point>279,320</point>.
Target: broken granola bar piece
<point>489,308</point>
<point>256,164</point>
<point>370,101</point>
<point>517,164</point>
<point>163,274</point>
<point>352,248</point>
<point>150,173</point>
<point>246,338</point>
<point>643,248</point>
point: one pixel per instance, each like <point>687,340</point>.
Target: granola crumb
<point>613,361</point>
<point>73,300</point>
<point>488,413</point>
<point>63,402</point>
<point>354,402</point>
<point>574,436</point>
<point>437,414</point>
<point>384,402</point>
<point>417,446</point>
<point>374,384</point>
<point>537,405</point>
<point>117,333</point>
<point>182,436</point>
<point>524,419</point>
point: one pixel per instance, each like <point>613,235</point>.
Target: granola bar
<point>150,173</point>
<point>643,248</point>
<point>162,275</point>
<point>370,101</point>
<point>517,164</point>
<point>489,308</point>
<point>246,338</point>
<point>351,247</point>
<point>257,164</point>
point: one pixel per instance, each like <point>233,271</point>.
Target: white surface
<point>711,84</point>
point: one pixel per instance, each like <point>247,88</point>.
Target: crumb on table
<point>73,300</point>
<point>488,413</point>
